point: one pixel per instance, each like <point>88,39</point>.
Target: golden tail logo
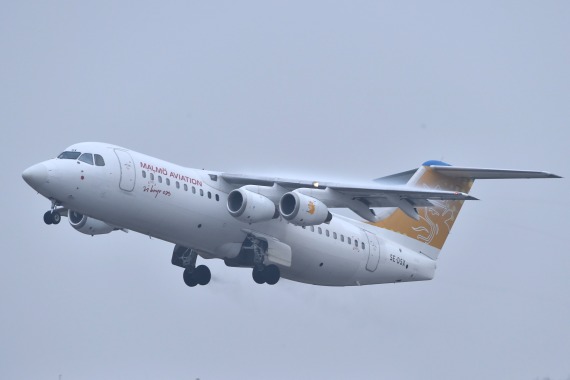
<point>436,221</point>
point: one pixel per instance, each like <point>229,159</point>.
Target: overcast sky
<point>341,90</point>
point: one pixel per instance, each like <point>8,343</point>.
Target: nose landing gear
<point>53,216</point>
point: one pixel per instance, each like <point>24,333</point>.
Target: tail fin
<point>435,223</point>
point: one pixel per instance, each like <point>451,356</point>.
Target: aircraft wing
<point>365,192</point>
<point>484,173</point>
<point>390,191</point>
<point>355,197</point>
<point>377,196</point>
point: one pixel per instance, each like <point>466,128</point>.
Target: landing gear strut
<point>261,273</point>
<point>193,275</point>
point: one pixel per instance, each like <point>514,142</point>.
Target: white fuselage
<point>123,194</point>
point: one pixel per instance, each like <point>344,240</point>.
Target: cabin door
<point>373,252</point>
<point>127,181</point>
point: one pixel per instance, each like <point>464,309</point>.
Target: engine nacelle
<point>251,207</point>
<point>88,226</point>
<point>303,210</point>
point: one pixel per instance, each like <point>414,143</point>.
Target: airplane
<point>279,228</point>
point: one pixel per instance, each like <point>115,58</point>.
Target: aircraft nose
<point>35,175</point>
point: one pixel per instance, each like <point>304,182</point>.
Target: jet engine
<point>251,207</point>
<point>88,226</point>
<point>303,210</point>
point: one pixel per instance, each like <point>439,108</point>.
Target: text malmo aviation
<point>277,227</point>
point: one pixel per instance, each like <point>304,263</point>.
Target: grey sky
<point>343,90</point>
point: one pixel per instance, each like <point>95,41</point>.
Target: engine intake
<point>88,226</point>
<point>303,210</point>
<point>251,207</point>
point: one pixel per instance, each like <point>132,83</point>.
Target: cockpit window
<point>69,155</point>
<point>99,161</point>
<point>87,158</point>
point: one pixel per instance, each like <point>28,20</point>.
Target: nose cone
<point>36,175</point>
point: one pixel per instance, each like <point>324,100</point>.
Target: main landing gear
<point>253,254</point>
<point>262,274</point>
<point>266,274</point>
<point>200,275</point>
<point>193,275</point>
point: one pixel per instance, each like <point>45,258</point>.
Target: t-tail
<point>429,232</point>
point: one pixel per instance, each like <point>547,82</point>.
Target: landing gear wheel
<point>271,274</point>
<point>202,274</point>
<point>48,218</point>
<point>189,278</point>
<point>55,217</point>
<point>258,276</point>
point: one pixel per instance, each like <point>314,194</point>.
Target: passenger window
<point>144,174</point>
<point>363,245</point>
<point>312,228</point>
<point>159,179</point>
<point>209,195</point>
<point>320,231</point>
<point>334,235</point>
<point>151,176</point>
<point>185,187</point>
<point>177,185</point>
<point>217,198</point>
<point>348,240</point>
<point>201,192</point>
<point>193,190</point>
<point>356,243</point>
<point>87,158</point>
<point>342,237</point>
<point>168,181</point>
<point>327,233</point>
<point>99,161</point>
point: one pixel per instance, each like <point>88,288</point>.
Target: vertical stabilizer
<point>434,222</point>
